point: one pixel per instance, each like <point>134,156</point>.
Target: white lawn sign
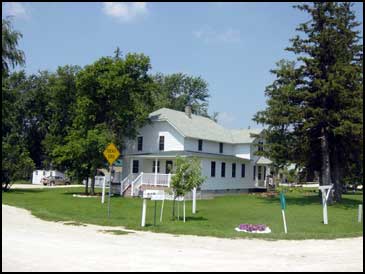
<point>326,190</point>
<point>157,195</point>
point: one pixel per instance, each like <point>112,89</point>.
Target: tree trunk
<point>87,186</point>
<point>173,208</point>
<point>336,175</point>
<point>325,165</point>
<point>93,185</point>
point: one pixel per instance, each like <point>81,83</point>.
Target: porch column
<point>156,159</point>
<point>131,167</point>
<point>256,175</point>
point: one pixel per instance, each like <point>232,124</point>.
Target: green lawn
<point>217,217</point>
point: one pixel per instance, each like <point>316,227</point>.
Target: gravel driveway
<point>30,244</point>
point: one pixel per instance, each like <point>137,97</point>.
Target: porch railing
<point>151,179</point>
<point>261,183</point>
<point>156,179</point>
<point>127,181</point>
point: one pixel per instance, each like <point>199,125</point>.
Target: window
<point>259,172</point>
<point>223,170</point>
<point>140,143</point>
<point>154,166</point>
<point>261,146</point>
<point>212,169</point>
<point>44,173</point>
<point>162,142</point>
<point>169,166</point>
<point>135,166</point>
<point>243,170</point>
<point>264,172</point>
<point>220,147</point>
<point>233,170</point>
<point>254,172</point>
<point>200,145</point>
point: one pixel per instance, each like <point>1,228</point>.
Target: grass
<point>216,217</point>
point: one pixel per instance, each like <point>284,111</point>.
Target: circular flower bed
<point>251,228</point>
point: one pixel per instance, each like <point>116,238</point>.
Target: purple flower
<point>252,227</point>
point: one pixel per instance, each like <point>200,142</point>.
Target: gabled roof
<point>263,161</point>
<point>200,127</point>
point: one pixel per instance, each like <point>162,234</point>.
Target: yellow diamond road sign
<point>111,153</point>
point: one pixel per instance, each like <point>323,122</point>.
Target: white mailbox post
<point>157,195</point>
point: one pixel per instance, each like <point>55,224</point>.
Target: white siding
<point>208,146</point>
<point>243,151</point>
<point>227,182</point>
<point>174,141</point>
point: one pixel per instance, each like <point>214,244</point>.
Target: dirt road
<point>30,244</point>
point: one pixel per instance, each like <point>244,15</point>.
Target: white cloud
<point>15,9</point>
<point>125,11</point>
<point>209,35</point>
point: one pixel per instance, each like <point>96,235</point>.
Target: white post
<point>283,213</point>
<point>132,188</point>
<point>103,192</point>
<point>360,214</point>
<point>184,210</point>
<point>143,222</point>
<point>131,172</point>
<point>326,191</point>
<point>325,217</point>
<point>161,210</point>
<point>168,179</point>
<point>155,171</point>
<point>194,200</point>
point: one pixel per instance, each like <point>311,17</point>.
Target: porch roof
<point>263,161</point>
<point>172,154</point>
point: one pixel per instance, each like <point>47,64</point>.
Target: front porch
<point>146,171</point>
<point>133,184</point>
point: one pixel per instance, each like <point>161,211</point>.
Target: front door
<point>168,166</point>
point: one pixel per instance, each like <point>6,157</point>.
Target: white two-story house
<point>227,156</point>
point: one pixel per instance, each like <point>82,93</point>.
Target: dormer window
<point>200,145</point>
<point>261,146</point>
<point>140,143</point>
<point>220,147</point>
<point>162,143</point>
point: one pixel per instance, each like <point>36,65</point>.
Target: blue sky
<point>232,46</point>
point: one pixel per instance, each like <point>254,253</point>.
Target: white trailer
<point>39,174</point>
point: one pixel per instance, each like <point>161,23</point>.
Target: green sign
<point>282,201</point>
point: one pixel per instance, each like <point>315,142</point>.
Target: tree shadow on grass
<point>346,203</point>
<point>191,218</point>
<point>23,191</point>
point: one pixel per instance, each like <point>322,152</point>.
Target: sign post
<point>111,153</point>
<point>283,207</point>
<point>326,190</point>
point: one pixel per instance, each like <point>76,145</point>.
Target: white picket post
<point>285,228</point>
<point>143,222</point>
<point>103,192</point>
<point>194,200</point>
<point>359,217</point>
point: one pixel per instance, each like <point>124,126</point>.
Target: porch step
<point>127,192</point>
